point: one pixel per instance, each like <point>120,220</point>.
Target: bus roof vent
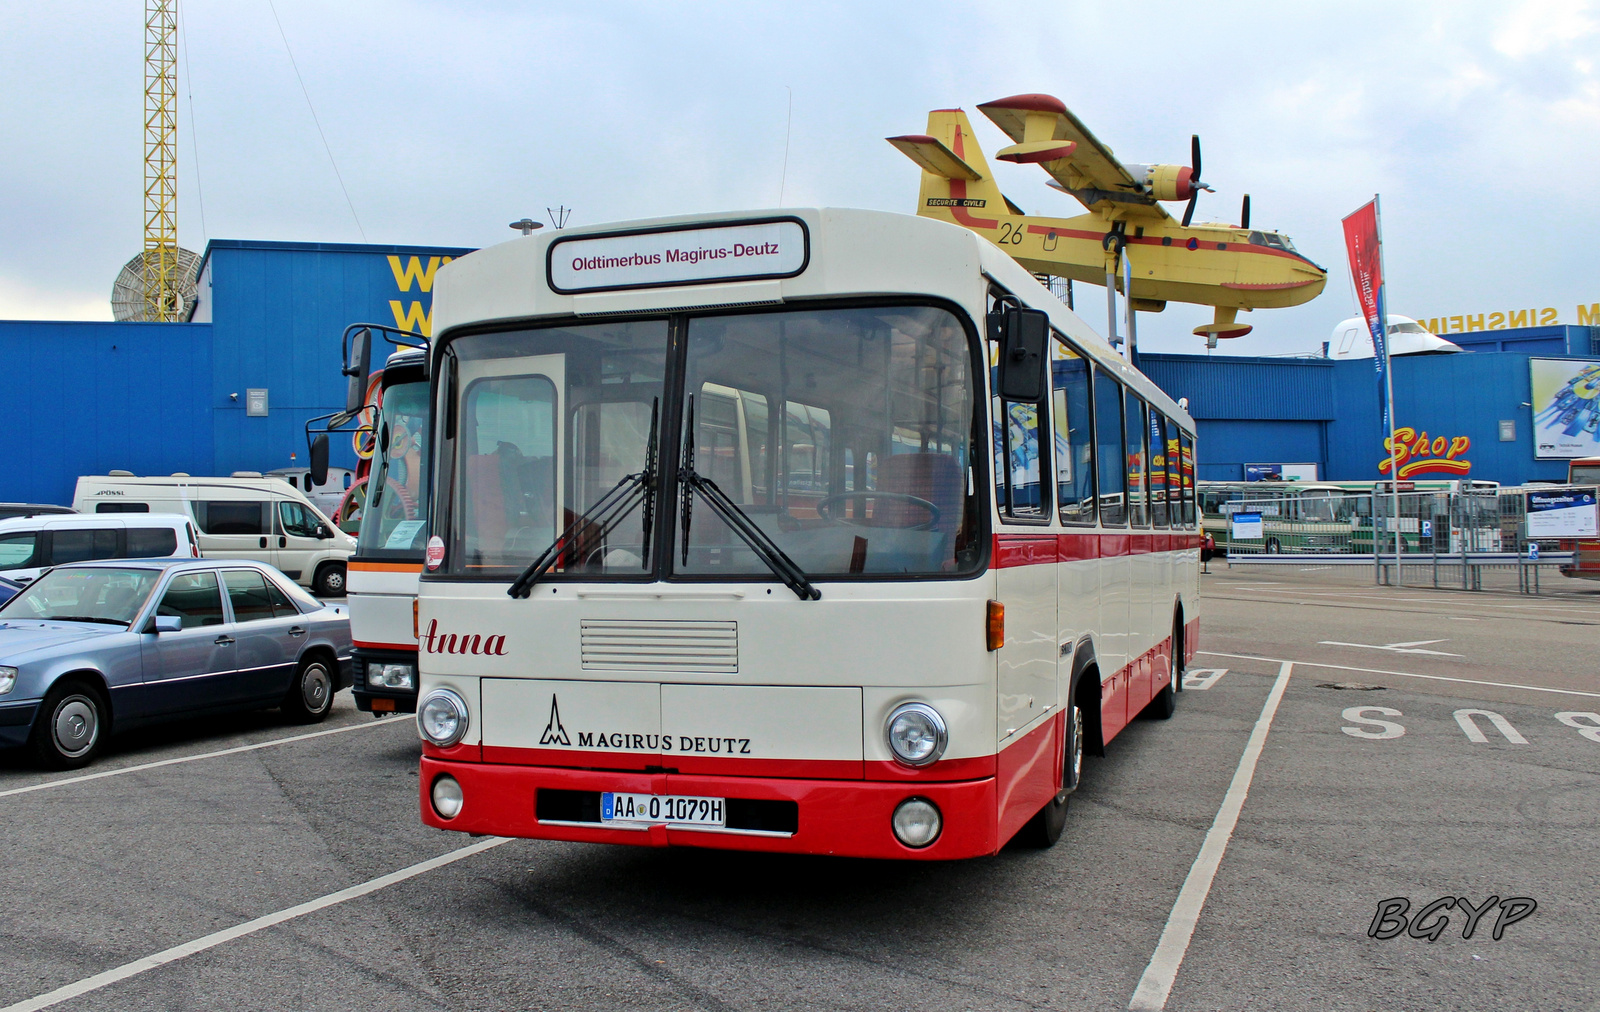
<point>120,474</point>
<point>180,474</point>
<point>245,474</point>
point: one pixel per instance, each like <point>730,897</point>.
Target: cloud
<point>448,120</point>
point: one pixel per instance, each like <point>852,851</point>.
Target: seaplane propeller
<point>1195,185</point>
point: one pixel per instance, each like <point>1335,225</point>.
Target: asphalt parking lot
<point>238,863</point>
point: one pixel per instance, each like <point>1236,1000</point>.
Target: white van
<point>242,517</point>
<point>324,497</point>
<point>31,544</point>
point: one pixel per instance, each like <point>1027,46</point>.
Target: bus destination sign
<point>690,256</point>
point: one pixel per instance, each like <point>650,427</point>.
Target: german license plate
<point>661,809</point>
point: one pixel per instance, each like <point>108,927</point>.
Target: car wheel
<point>1045,828</point>
<point>310,696</point>
<point>70,726</point>
<point>330,581</point>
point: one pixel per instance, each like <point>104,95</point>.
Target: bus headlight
<point>447,799</point>
<point>391,676</point>
<point>916,734</point>
<point>917,822</point>
<point>442,718</point>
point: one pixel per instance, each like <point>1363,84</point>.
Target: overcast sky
<point>1479,123</point>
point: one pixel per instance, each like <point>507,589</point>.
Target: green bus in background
<point>1336,517</point>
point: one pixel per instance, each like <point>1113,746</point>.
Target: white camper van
<point>325,497</point>
<point>241,517</point>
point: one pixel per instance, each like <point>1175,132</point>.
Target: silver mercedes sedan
<point>96,646</point>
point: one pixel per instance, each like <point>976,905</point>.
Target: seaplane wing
<point>1047,134</point>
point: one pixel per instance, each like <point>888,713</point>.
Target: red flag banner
<point>1361,241</point>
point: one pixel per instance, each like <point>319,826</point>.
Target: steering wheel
<point>824,508</point>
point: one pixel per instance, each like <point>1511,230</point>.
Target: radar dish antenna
<point>129,301</point>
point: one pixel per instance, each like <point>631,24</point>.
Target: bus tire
<point>1046,826</point>
<point>1273,548</point>
<point>1162,704</point>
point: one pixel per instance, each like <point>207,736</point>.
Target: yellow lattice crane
<point>163,282</point>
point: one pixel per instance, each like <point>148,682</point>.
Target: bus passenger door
<point>1025,581</point>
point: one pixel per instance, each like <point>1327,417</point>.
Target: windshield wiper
<point>84,618</point>
<point>737,520</point>
<point>604,516</point>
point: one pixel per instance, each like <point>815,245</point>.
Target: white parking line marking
<point>1156,984</point>
<point>1405,674</point>
<point>216,938</point>
<point>1413,647</point>
<point>192,758</point>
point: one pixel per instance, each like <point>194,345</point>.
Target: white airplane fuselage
<point>1351,339</point>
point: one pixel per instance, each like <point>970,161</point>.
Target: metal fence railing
<point>1446,538</point>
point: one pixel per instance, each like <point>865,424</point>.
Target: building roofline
<point>329,247</point>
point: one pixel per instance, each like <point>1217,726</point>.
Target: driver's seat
<point>935,477</point>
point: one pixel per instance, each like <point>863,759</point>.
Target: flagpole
<point>1388,376</point>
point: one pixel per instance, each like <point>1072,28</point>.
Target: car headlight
<point>442,718</point>
<point>916,734</point>
<point>391,676</point>
<point>8,679</point>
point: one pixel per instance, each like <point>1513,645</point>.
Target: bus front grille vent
<point>660,645</point>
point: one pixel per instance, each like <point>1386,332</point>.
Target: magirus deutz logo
<point>555,733</point>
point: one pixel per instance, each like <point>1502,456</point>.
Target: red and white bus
<point>815,531</point>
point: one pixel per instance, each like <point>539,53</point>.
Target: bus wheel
<point>1273,548</point>
<point>1162,705</point>
<point>1044,829</point>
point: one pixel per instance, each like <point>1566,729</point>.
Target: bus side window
<point>1074,432</point>
<point>1174,479</point>
<point>1136,458</point>
<point>1186,472</point>
<point>1110,461</point>
<point>807,441</point>
<point>1158,469</point>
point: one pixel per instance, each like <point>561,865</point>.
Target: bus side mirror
<point>319,459</point>
<point>357,366</point>
<point>1023,334</point>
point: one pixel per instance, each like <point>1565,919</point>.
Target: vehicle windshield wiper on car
<point>738,521</point>
<point>85,618</point>
<point>602,518</point>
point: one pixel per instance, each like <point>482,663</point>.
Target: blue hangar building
<point>150,398</point>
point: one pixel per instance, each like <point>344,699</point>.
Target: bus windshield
<point>397,510</point>
<point>845,435</point>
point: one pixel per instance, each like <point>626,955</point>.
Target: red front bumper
<point>844,818</point>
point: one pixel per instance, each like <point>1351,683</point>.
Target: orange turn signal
<point>414,633</point>
<point>997,625</point>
